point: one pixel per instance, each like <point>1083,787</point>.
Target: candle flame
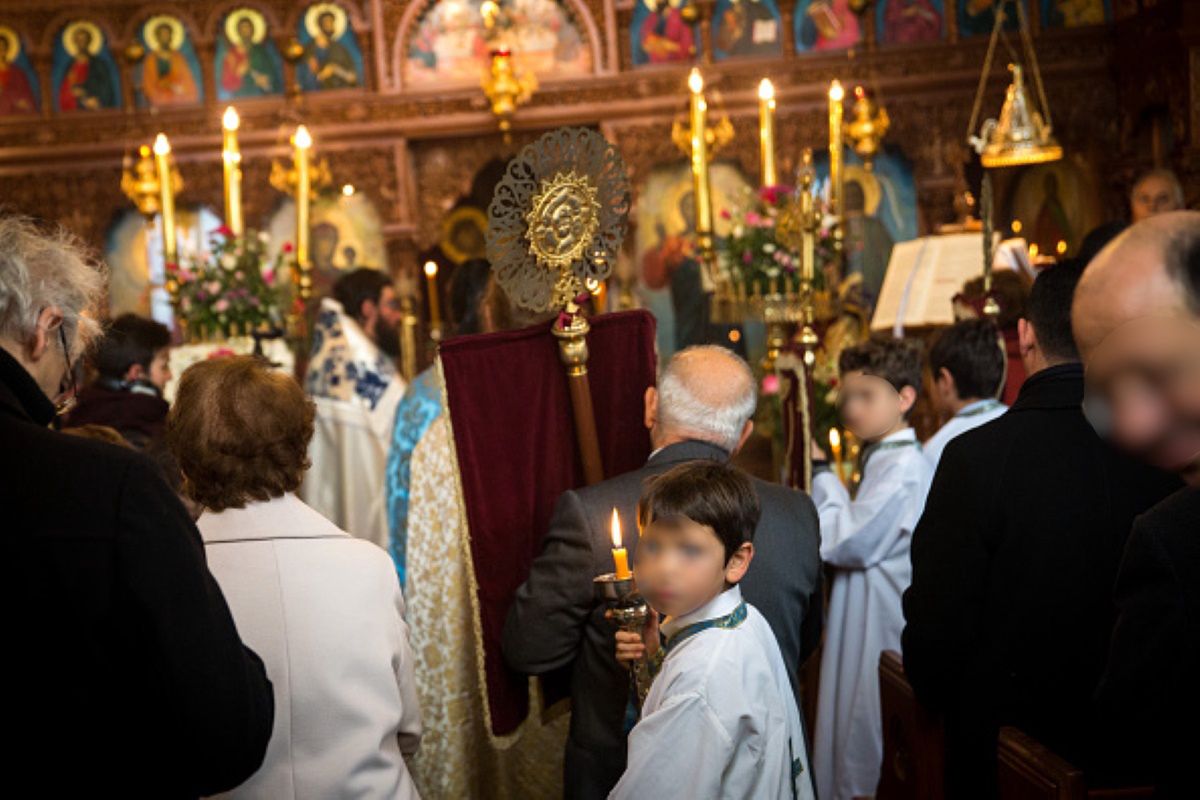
<point>695,81</point>
<point>144,151</point>
<point>836,92</point>
<point>231,120</point>
<point>766,89</point>
<point>302,139</point>
<point>161,145</point>
<point>430,268</point>
<point>616,529</point>
<point>1033,250</point>
<point>859,92</point>
<point>835,438</point>
<point>348,190</point>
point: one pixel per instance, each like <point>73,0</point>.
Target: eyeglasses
<point>68,399</point>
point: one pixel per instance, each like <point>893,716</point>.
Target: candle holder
<point>629,612</point>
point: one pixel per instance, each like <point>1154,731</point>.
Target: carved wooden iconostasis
<point>391,92</point>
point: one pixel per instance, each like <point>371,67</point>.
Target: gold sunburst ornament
<point>557,218</point>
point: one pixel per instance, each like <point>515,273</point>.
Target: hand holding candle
<point>835,444</point>
<point>620,555</point>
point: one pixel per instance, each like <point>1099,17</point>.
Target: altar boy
<point>865,539</point>
<point>720,719</point>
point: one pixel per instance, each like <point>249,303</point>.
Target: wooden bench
<point>1028,770</point>
<point>914,752</point>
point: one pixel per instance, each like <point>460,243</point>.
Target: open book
<point>922,278</point>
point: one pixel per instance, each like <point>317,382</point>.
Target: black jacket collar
<point>1060,386</point>
<point>19,393</point>
<point>690,450</point>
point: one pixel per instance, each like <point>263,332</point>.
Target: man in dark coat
<point>124,672</point>
<point>1010,608</point>
<point>700,410</point>
<point>1137,320</point>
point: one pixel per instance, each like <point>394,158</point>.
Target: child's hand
<point>632,647</point>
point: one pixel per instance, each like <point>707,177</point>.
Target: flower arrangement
<point>753,254</point>
<point>231,289</point>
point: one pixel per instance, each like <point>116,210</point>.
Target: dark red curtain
<point>515,439</point>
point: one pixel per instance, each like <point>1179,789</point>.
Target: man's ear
<point>650,406</point>
<point>1026,336</point>
<point>367,311</point>
<point>908,396</point>
<point>747,429</point>
<point>739,562</point>
<point>44,331</point>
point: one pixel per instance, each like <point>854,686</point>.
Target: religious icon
<point>746,28</point>
<point>248,63</point>
<point>977,17</point>
<point>661,33</point>
<point>451,43</point>
<point>825,25</point>
<point>18,82</point>
<point>1075,13</point>
<point>85,75</point>
<point>1056,204</point>
<point>331,58</point>
<point>905,21</point>
<point>170,73</point>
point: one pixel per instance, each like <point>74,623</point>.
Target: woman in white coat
<point>324,610</point>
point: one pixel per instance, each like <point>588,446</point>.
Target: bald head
<point>1143,272</point>
<point>1136,319</point>
<point>705,393</point>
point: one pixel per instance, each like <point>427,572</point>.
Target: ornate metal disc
<point>558,217</point>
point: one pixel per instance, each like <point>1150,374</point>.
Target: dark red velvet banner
<point>515,439</point>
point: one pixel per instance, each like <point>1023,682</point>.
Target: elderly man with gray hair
<point>127,674</point>
<point>701,409</point>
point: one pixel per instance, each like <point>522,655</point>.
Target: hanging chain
<point>983,76</point>
<point>1027,39</point>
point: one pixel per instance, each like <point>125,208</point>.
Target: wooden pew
<point>1027,770</point>
<point>914,755</point>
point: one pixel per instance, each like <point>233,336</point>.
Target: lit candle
<point>836,95</point>
<point>302,142</point>
<point>231,158</point>
<point>835,444</point>
<point>162,160</point>
<point>699,146</point>
<point>620,556</point>
<point>435,314</point>
<point>766,132</point>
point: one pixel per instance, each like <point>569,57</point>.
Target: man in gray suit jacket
<point>701,409</point>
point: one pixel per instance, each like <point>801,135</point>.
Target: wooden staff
<point>572,349</point>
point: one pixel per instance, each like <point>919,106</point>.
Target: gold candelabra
<point>867,127</point>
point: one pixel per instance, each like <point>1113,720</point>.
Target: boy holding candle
<point>865,539</point>
<point>719,719</point>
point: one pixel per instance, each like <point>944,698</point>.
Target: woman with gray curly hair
<point>115,619</point>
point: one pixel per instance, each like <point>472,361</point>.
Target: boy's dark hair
<point>1050,309</point>
<point>1011,291</point>
<point>707,493</point>
<point>971,352</point>
<point>129,340</point>
<point>355,288</point>
<point>897,361</point>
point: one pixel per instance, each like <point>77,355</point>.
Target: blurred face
<point>681,565</point>
<point>1144,391</point>
<point>382,320</point>
<point>871,407</point>
<point>160,370</point>
<point>1152,195</point>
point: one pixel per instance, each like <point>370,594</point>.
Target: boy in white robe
<point>720,720</point>
<point>866,540</point>
<point>968,364</point>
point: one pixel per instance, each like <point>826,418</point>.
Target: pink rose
<point>268,276</point>
<point>770,384</point>
<point>221,306</point>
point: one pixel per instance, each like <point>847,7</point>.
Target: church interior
<point>486,236</point>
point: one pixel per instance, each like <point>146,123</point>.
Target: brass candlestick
<point>629,612</point>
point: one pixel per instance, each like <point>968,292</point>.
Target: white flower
<point>264,237</point>
<point>768,248</point>
<point>228,261</point>
<point>738,230</point>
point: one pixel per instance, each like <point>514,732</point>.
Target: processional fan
<point>555,226</point>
